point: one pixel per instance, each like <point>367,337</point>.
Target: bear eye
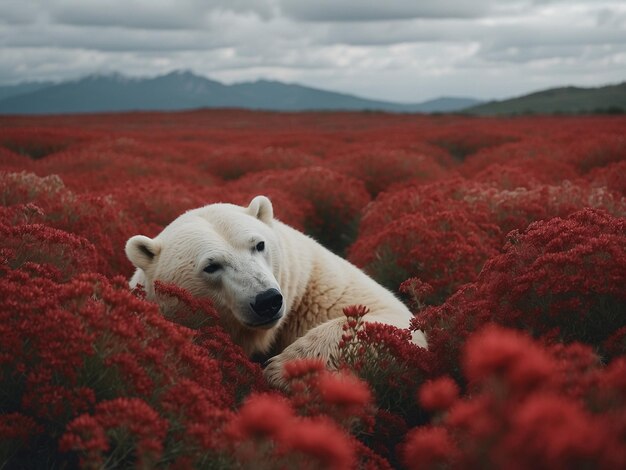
<point>260,246</point>
<point>213,267</point>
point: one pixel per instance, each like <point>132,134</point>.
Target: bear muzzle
<point>267,308</point>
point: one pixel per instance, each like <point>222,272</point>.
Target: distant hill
<point>184,90</point>
<point>572,100</point>
<point>22,88</point>
<point>447,105</point>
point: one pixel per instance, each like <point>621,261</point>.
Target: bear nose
<point>268,303</point>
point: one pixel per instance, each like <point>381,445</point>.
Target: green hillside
<point>566,100</point>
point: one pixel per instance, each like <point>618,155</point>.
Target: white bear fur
<point>315,283</point>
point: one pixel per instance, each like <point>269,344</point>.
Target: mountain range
<point>185,90</point>
<point>182,90</point>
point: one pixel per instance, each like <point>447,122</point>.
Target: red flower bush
<point>523,163</point>
<point>612,177</point>
<point>17,431</point>
<point>484,203</point>
<point>240,376</point>
<point>382,355</point>
<point>11,161</point>
<point>467,138</point>
<point>322,441</point>
<point>516,209</point>
<point>332,202</point>
<point>94,218</point>
<point>261,416</point>
<point>514,358</point>
<point>521,412</point>
<point>505,236</point>
<point>86,358</point>
<point>379,168</point>
<point>115,169</point>
<point>443,233</point>
<point>39,247</point>
<point>234,162</point>
<point>445,250</point>
<point>39,142</point>
<point>439,394</point>
<point>314,391</point>
<point>429,448</point>
<point>597,150</point>
<point>267,434</point>
<point>170,199</point>
<point>385,358</point>
<point>120,418</point>
<point>559,279</point>
<point>426,200</point>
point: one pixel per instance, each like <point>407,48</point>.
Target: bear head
<point>225,252</point>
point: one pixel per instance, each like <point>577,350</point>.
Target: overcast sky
<point>400,50</point>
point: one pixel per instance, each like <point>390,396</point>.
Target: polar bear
<point>277,289</point>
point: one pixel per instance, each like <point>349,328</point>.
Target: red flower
<point>16,426</point>
<point>417,291</point>
<point>428,447</point>
<point>510,356</point>
<point>438,394</point>
<point>262,416</point>
<point>139,419</point>
<point>269,418</point>
<point>355,311</point>
<point>550,431</point>
<point>322,440</point>
<point>477,418</point>
<point>85,434</point>
<point>344,390</point>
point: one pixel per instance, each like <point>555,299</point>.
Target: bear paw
<point>321,343</point>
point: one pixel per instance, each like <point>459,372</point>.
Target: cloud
<point>129,14</point>
<point>134,14</point>
<point>17,12</point>
<point>375,10</point>
<point>401,50</point>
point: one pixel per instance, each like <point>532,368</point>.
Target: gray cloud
<point>400,50</point>
<point>19,12</point>
<point>109,39</point>
<point>561,53</point>
<point>375,10</point>
<point>151,14</point>
<point>610,17</point>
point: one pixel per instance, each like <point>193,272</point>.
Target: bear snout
<point>268,303</point>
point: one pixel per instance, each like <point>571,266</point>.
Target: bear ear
<point>261,208</point>
<point>141,251</point>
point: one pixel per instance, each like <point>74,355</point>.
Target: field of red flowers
<point>506,236</point>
